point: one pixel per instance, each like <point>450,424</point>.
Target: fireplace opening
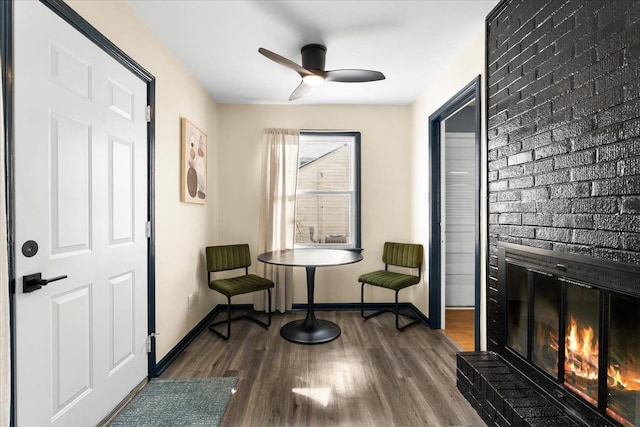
<point>546,315</point>
<point>576,330</point>
<point>581,343</point>
<point>623,371</point>
<point>517,311</point>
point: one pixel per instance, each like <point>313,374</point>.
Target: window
<point>328,190</point>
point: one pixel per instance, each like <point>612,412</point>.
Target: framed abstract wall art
<point>194,164</point>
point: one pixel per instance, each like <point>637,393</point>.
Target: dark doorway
<point>465,102</point>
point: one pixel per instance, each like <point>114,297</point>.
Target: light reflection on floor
<point>342,378</point>
<point>320,395</point>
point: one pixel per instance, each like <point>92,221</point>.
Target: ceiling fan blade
<point>353,76</point>
<point>284,61</point>
<point>300,91</point>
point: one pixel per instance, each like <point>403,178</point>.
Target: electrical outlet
<point>189,300</point>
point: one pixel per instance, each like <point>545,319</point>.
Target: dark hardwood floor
<point>372,375</point>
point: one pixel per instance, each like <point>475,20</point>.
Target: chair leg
<point>269,312</point>
<point>402,328</point>
<point>370,315</point>
<point>255,319</point>
<point>396,311</point>
<point>228,322</point>
<point>362,301</point>
<point>246,316</point>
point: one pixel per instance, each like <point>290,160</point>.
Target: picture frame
<point>193,170</point>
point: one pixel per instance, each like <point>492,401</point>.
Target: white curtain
<point>277,210</point>
<point>5,351</point>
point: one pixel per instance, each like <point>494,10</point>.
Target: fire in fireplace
<point>623,372</point>
<point>581,361</point>
<point>581,342</point>
<point>576,329</point>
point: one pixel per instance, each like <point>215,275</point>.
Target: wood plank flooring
<point>372,375</point>
<point>459,325</point>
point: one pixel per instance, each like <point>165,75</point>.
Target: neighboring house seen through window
<point>328,190</point>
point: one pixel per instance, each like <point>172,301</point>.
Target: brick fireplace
<point>569,323</point>
<point>563,160</point>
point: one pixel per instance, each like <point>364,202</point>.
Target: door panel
<point>72,364</point>
<point>121,189</point>
<point>70,165</point>
<point>122,316</point>
<point>121,99</point>
<point>81,194</point>
<point>69,70</point>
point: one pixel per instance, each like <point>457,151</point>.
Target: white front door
<point>81,197</point>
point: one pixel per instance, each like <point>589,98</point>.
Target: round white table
<point>310,330</point>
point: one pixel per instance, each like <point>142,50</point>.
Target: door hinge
<point>151,335</point>
<point>147,113</point>
<point>147,229</point>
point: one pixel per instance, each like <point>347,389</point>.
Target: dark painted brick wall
<point>563,130</point>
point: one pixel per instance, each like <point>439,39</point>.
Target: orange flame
<point>581,367</point>
<point>615,377</point>
<point>581,358</point>
<point>581,351</point>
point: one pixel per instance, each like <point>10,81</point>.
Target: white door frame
<point>90,32</point>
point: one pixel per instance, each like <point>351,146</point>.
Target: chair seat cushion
<point>389,279</point>
<point>240,285</point>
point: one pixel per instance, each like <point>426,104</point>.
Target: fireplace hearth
<point>570,323</point>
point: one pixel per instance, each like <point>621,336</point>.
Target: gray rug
<point>178,402</point>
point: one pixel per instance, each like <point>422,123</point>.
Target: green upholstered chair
<point>407,255</point>
<point>232,257</point>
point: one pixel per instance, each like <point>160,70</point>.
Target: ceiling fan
<point>313,73</point>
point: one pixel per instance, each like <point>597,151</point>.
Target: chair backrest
<point>228,257</point>
<point>407,255</point>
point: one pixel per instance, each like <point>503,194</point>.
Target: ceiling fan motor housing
<point>313,56</point>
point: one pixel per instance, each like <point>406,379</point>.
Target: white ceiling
<point>409,41</point>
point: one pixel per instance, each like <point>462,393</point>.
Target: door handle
<point>33,282</point>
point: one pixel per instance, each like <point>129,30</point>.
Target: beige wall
<point>467,65</point>
<point>182,229</point>
<point>386,180</point>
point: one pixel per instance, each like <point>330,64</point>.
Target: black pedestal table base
<point>310,330</point>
